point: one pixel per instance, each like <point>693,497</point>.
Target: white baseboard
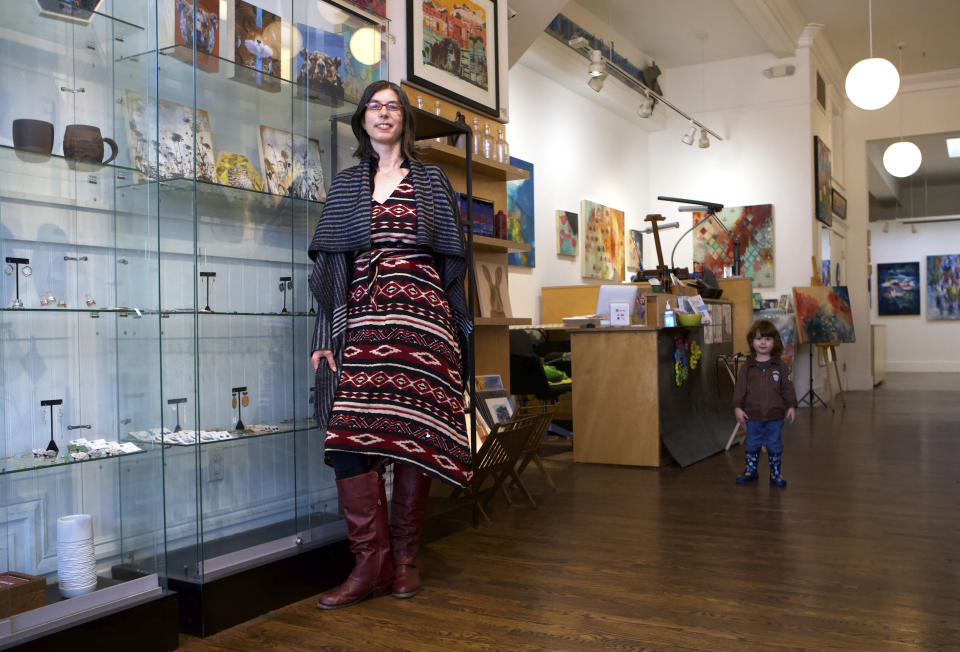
<point>934,366</point>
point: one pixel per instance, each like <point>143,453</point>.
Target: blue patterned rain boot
<point>776,479</point>
<point>750,472</point>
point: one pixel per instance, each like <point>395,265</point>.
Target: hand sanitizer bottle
<point>669,320</point>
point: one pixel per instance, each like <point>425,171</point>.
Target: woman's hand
<point>320,355</point>
<point>742,417</point>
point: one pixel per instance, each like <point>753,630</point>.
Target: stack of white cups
<point>76,564</point>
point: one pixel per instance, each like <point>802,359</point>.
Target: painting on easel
<point>823,315</point>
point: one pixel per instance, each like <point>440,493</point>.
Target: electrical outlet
<point>215,467</point>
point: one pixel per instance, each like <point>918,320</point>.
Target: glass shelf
<point>131,312</point>
<point>51,28</point>
<point>227,202</point>
<point>56,180</point>
<point>215,313</point>
<point>31,463</point>
<point>245,435</point>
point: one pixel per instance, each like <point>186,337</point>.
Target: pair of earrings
<point>244,400</point>
<point>26,270</point>
<point>43,413</point>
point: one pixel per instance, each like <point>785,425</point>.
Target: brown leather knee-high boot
<point>411,488</point>
<point>364,503</point>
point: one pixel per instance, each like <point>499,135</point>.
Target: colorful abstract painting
<point>634,249</point>
<point>602,236</point>
<point>898,288</point>
<point>823,180</point>
<point>943,287</point>
<point>786,324</point>
<point>823,314</point>
<point>753,225</point>
<point>567,227</point>
<point>520,224</point>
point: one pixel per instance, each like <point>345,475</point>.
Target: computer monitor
<point>615,294</point>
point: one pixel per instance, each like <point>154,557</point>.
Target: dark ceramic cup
<point>34,136</point>
<point>84,143</point>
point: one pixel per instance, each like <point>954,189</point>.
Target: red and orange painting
<point>824,315</point>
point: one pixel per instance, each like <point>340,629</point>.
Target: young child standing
<point>762,398</point>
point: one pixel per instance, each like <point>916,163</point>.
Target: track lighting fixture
<point>646,107</point>
<point>596,63</point>
<point>704,141</point>
<point>689,136</point>
<point>596,83</point>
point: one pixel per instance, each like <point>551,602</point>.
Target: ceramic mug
<point>34,136</point>
<point>84,143</point>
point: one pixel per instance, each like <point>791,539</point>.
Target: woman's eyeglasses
<point>374,105</point>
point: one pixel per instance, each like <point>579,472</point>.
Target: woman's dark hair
<point>763,328</point>
<point>407,141</point>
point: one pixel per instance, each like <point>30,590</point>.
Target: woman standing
<point>390,343</point>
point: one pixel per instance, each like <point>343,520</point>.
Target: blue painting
<point>943,287</point>
<point>898,288</point>
<point>520,224</point>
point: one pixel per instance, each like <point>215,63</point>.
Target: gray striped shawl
<point>344,231</point>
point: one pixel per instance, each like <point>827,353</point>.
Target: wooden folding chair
<point>531,449</point>
<point>496,460</point>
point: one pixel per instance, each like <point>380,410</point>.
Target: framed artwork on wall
<point>602,236</point>
<point>452,50</point>
<point>943,279</point>
<point>635,250</point>
<point>567,227</point>
<point>753,225</point>
<point>822,180</point>
<point>520,216</point>
<point>838,204</point>
<point>898,288</point>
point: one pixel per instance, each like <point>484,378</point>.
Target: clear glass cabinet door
<point>80,504</point>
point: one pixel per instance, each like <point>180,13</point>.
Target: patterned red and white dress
<point>399,393</point>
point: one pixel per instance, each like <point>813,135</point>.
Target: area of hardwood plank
<point>858,552</point>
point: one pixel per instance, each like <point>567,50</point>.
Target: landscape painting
<point>823,314</point>
<point>898,288</point>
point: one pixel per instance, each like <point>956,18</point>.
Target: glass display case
<point>168,305</point>
<point>81,507</point>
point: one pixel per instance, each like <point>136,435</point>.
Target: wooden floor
<point>860,552</point>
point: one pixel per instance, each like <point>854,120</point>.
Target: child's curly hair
<point>763,328</point>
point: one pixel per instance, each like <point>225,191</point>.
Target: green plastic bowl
<point>688,320</point>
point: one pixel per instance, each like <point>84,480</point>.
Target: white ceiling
<point>671,31</point>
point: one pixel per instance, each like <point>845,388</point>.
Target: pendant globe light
<point>872,83</point>
<point>902,158</point>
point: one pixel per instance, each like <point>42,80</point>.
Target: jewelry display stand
<point>52,445</point>
<point>27,271</point>
<point>176,402</point>
<point>240,401</point>
<point>206,276</point>
<point>286,283</point>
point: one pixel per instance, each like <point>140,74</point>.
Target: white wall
<point>579,151</point>
<point>913,343</point>
<point>929,106</point>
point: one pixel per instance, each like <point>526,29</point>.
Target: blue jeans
<point>764,433</point>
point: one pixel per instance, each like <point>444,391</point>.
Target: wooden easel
<point>829,352</point>
<point>663,272</point>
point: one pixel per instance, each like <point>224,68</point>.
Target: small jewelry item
<point>90,302</point>
<point>245,401</point>
<point>48,299</point>
<point>234,402</point>
<point>8,269</point>
<point>26,270</point>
